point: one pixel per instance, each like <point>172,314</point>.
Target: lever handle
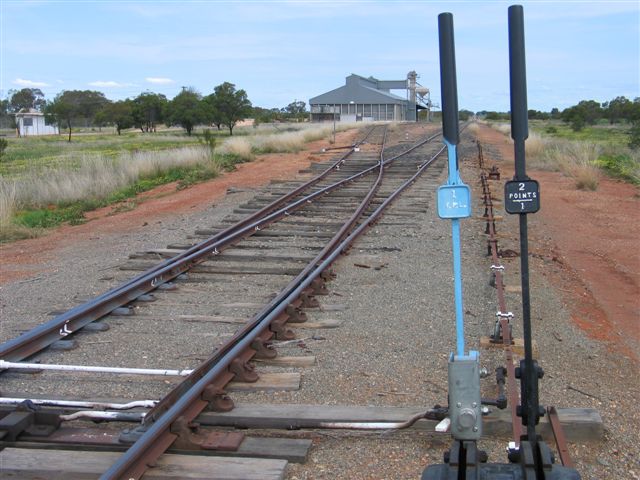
<point>448,85</point>
<point>517,75</point>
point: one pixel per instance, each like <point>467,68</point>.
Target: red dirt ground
<point>593,235</point>
<point>595,238</point>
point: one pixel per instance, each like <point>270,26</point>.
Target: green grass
<point>29,153</point>
<point>583,155</point>
<point>604,133</point>
<point>73,212</point>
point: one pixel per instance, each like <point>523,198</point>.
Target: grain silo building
<point>369,99</point>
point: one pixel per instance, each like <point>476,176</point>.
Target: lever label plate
<point>454,201</point>
<point>521,196</point>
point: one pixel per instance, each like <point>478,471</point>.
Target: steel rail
<point>158,437</point>
<point>183,386</point>
<point>74,319</point>
<point>503,320</point>
<point>198,372</point>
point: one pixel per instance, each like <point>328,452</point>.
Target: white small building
<point>32,122</point>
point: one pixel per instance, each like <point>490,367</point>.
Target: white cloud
<point>110,84</point>
<point>29,83</point>
<point>159,80</point>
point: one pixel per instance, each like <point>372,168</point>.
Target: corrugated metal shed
<point>363,99</point>
<point>358,90</point>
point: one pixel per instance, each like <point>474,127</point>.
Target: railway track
<point>184,319</point>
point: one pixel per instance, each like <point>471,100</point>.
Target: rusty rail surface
<point>74,319</point>
<point>502,332</point>
<point>188,399</point>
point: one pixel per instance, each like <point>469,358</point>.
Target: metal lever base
<point>465,462</point>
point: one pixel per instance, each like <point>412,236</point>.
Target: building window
<point>27,122</point>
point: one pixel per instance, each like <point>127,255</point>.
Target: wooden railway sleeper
<point>192,437</point>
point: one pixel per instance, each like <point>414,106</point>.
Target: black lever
<point>448,84</point>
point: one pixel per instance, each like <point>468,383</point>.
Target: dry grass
<point>473,127</point>
<point>575,159</point>
<point>285,142</point>
<point>238,146</point>
<point>504,128</point>
<point>534,145</point>
<point>7,203</point>
<point>587,177</point>
<point>96,177</point>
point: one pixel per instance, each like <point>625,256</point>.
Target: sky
<point>281,51</point>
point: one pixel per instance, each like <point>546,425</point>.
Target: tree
<point>464,115</point>
<point>617,109</point>
<point>266,115</point>
<point>62,110</point>
<point>70,105</point>
<point>296,110</point>
<point>213,116</point>
<point>89,103</point>
<point>6,120</point>
<point>120,114</point>
<point>147,110</point>
<point>186,110</point>
<point>586,112</point>
<point>634,117</point>
<point>25,99</point>
<point>232,105</point>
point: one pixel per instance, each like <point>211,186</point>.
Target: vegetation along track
<point>277,254</point>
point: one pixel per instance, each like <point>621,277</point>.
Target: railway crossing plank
<point>579,424</point>
<point>20,463</point>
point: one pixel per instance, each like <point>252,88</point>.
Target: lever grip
<point>448,84</point>
<point>517,75</point>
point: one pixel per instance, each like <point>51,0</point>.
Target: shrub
<point>551,130</point>
<point>586,177</point>
<point>634,135</point>
<point>621,165</point>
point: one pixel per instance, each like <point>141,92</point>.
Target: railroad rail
<point>204,386</point>
<point>502,333</point>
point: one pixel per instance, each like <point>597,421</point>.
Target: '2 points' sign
<point>521,196</point>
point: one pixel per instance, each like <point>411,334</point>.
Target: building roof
<point>29,112</point>
<point>358,89</point>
